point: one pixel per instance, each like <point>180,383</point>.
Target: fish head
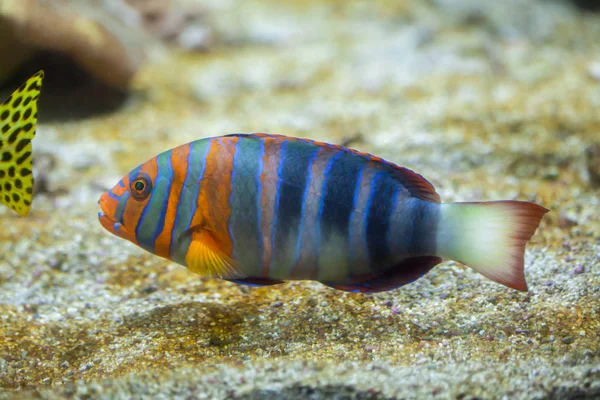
<point>123,206</point>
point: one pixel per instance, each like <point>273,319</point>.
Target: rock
<point>109,39</point>
<point>580,269</point>
<point>60,25</point>
<point>568,340</point>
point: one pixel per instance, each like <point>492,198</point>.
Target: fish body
<point>261,209</point>
<point>18,120</point>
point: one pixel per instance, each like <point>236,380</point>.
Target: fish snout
<point>108,206</point>
<point>111,216</point>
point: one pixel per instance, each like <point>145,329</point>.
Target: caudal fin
<point>18,119</point>
<point>489,237</point>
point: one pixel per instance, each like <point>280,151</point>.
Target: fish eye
<point>141,187</point>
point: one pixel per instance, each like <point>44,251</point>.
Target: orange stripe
<point>213,210</point>
<point>268,179</point>
<point>134,208</point>
<point>179,162</point>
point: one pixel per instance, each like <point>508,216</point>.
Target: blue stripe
<point>367,214</point>
<point>201,175</point>
<point>277,198</point>
<point>232,193</point>
<point>186,181</point>
<point>189,197</point>
<point>393,201</point>
<point>340,188</point>
<point>163,211</point>
<point>142,219</point>
<point>357,189</point>
<point>322,200</point>
<point>114,196</point>
<point>258,197</point>
<point>125,196</point>
<point>121,207</point>
<point>152,215</point>
<point>294,177</point>
<point>303,212</point>
<point>378,222</point>
<point>132,177</point>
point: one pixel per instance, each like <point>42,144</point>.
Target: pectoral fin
<point>205,258</point>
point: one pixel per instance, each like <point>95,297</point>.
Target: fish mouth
<point>107,222</point>
<point>110,224</point>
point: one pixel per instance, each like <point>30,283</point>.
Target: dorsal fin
<point>417,186</point>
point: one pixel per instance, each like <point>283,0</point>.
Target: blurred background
<point>486,99</point>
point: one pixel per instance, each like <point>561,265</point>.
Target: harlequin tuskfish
<point>261,209</point>
<point>18,119</point>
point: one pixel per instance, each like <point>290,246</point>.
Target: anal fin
<point>257,282</point>
<point>403,273</point>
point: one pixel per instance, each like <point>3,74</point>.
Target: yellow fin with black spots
<point>205,258</point>
<point>18,119</point>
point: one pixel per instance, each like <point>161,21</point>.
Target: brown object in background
<point>27,26</point>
